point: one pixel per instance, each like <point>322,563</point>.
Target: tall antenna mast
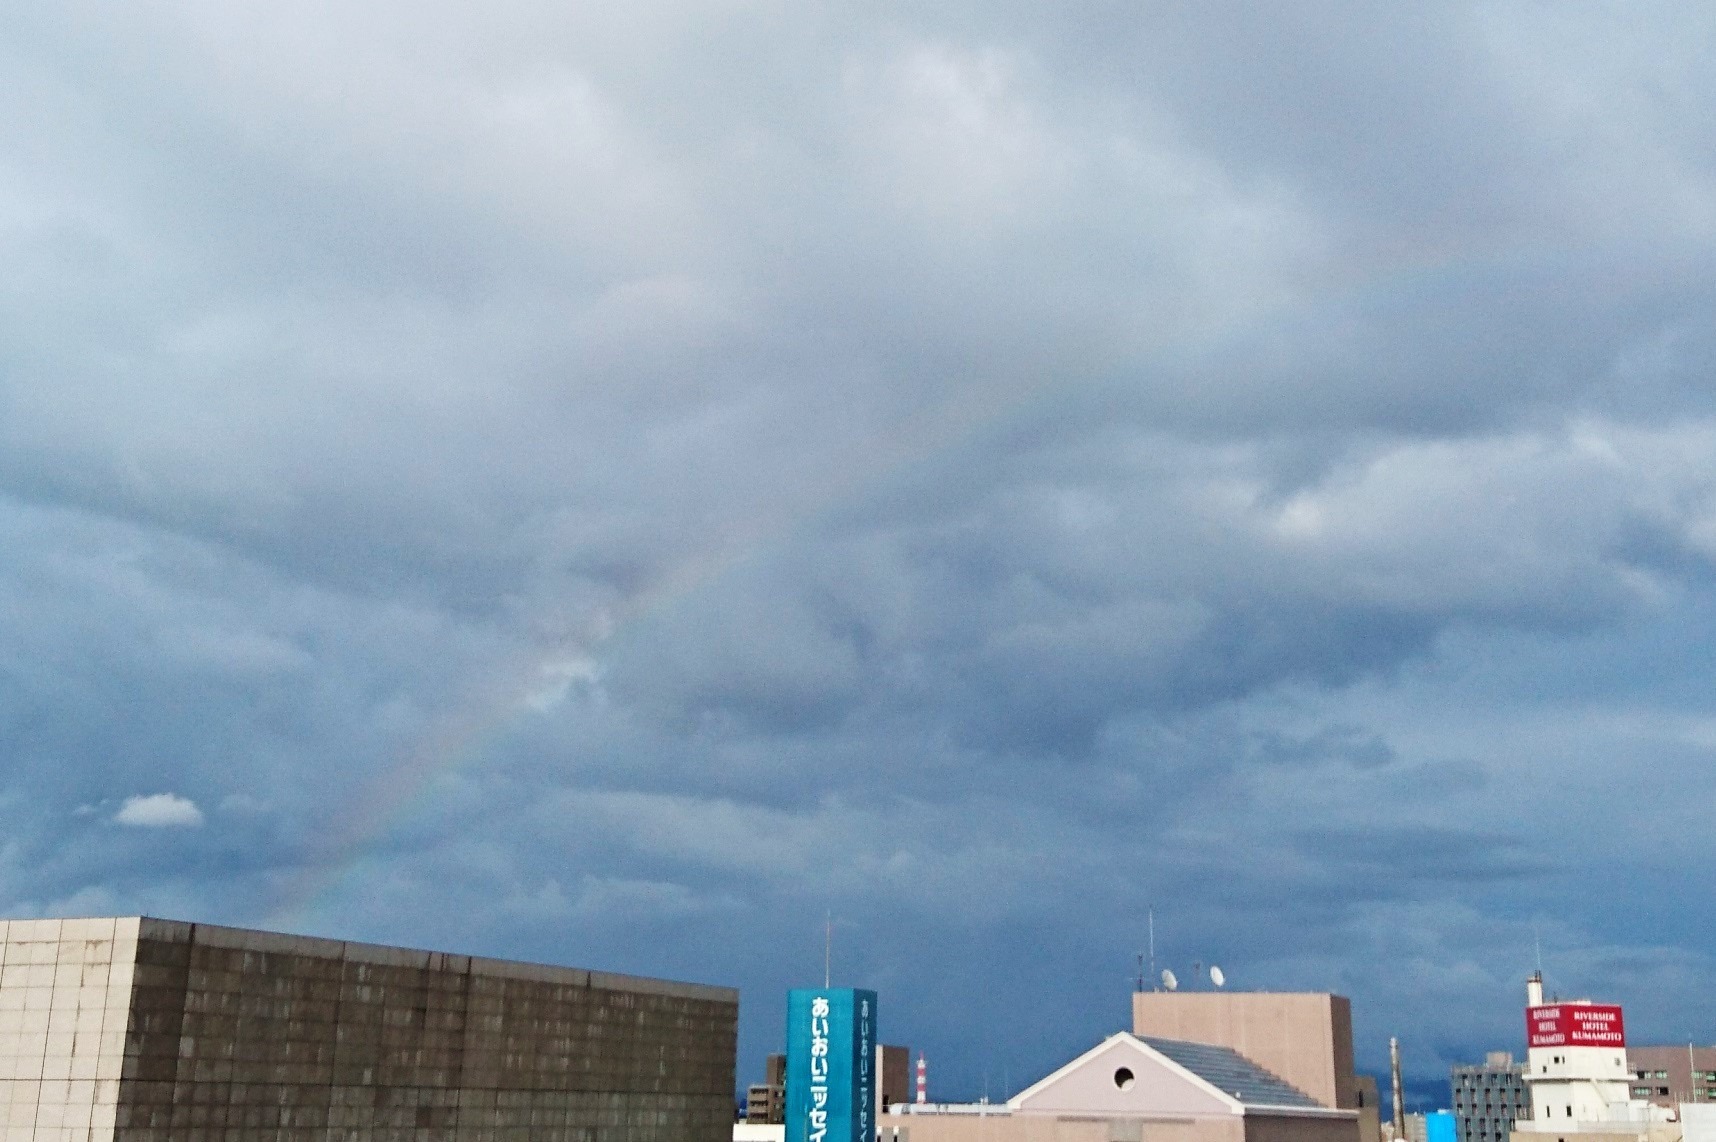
<point>1152,944</point>
<point>827,945</point>
<point>1399,1099</point>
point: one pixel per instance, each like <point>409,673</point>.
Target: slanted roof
<point>1122,1077</point>
<point>1232,1073</point>
<point>1130,1076</point>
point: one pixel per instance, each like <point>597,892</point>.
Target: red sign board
<point>1575,1025</point>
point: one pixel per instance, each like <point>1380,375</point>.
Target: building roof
<point>1231,1073</point>
<point>1129,1076</point>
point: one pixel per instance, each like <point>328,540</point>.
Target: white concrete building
<point>1576,1068</point>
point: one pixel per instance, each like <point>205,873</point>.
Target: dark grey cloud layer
<point>613,484</point>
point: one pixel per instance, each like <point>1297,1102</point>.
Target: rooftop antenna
<point>827,945</point>
<point>1140,971</point>
<point>1197,970</point>
<point>1170,980</point>
<point>1217,976</point>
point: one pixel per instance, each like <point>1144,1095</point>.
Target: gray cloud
<point>610,485</point>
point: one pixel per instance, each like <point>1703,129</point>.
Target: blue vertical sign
<point>831,1065</point>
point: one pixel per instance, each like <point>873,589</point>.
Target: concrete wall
<point>213,1034</point>
<point>65,1002</point>
<point>1292,1128</point>
<point>1042,1128</point>
<point>1305,1038</point>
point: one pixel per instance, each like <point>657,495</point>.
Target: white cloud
<point>159,811</point>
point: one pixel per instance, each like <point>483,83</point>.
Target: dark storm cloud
<point>1419,852</point>
<point>540,480</point>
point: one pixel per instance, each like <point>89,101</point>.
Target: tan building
<point>143,1030</point>
<point>1369,1106</point>
<point>1134,1089</point>
<point>1304,1037</point>
<point>765,1102</point>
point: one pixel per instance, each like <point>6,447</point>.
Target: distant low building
<point>1489,1098</point>
<point>893,1072</point>
<point>765,1102</point>
<point>1669,1076</point>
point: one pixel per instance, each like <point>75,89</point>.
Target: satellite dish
<point>1170,980</point>
<point>1217,976</point>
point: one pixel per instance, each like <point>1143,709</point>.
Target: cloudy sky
<point>618,484</point>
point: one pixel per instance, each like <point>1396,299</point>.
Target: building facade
<point>1304,1037</point>
<point>1576,1067</point>
<point>765,1102</point>
<point>1369,1106</point>
<point>1670,1076</point>
<point>893,1075</point>
<point>1489,1098</point>
<point>143,1030</point>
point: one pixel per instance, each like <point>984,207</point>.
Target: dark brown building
<point>142,1030</point>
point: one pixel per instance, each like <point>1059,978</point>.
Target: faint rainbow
<point>401,789</point>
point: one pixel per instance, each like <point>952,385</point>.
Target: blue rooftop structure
<point>1229,1071</point>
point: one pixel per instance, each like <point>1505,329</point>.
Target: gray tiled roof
<point>1229,1071</point>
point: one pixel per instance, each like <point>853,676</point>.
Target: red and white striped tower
<point>923,1082</point>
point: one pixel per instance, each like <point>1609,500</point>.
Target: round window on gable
<point>1123,1078</point>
